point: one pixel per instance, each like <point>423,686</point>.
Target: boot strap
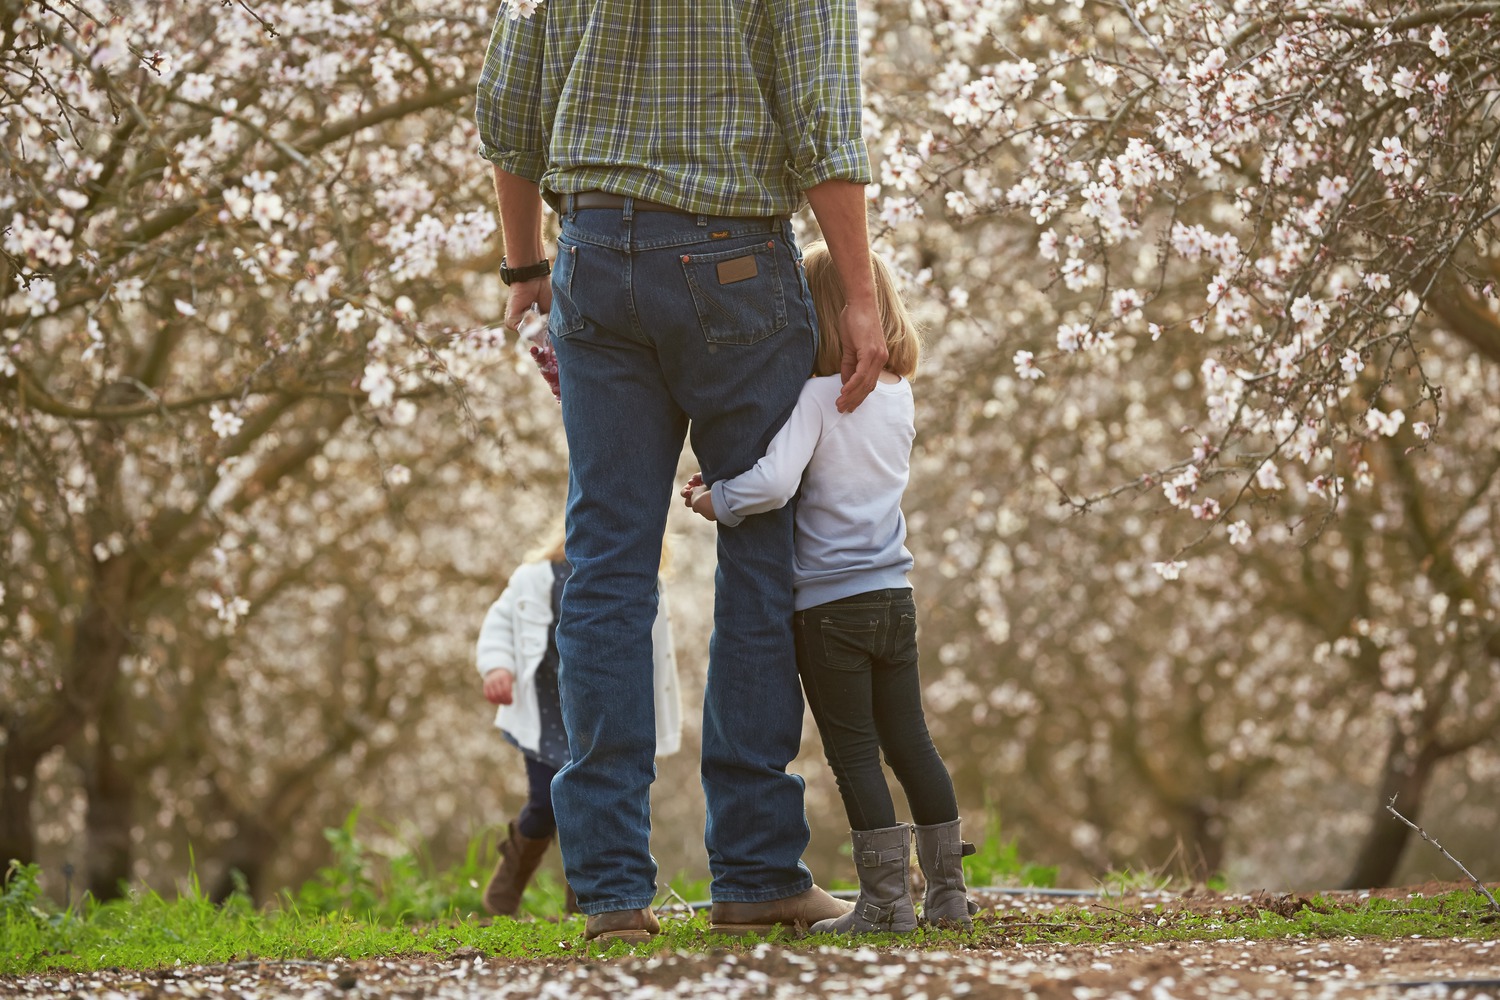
<point>874,859</point>
<point>870,913</point>
<point>961,849</point>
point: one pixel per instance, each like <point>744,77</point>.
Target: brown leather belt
<point>603,199</point>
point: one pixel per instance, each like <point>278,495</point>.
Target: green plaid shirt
<point>723,108</point>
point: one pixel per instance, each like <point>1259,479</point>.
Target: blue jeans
<point>667,325</point>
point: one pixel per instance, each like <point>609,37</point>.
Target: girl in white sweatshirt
<point>856,621</point>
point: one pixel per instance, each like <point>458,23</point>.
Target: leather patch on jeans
<point>722,234</point>
<point>738,269</point>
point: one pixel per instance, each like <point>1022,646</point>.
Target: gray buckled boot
<point>882,858</point>
<point>941,852</point>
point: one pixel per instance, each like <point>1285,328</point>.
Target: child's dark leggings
<point>858,661</point>
<point>537,821</point>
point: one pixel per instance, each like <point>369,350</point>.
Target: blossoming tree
<point>223,223</point>
<point>1231,235</point>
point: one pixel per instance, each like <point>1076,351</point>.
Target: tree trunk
<point>250,853</point>
<point>1203,844</point>
<point>1405,779</point>
<point>17,790</point>
<point>110,791</point>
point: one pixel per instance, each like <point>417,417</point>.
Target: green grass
<point>1461,914</point>
<point>361,906</point>
<point>145,931</point>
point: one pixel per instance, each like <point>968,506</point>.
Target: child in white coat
<point>517,659</point>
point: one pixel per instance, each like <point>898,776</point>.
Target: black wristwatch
<point>511,275</point>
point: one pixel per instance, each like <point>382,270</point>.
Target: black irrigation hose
<point>1003,890</point>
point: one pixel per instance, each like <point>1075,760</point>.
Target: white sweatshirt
<point>852,469</point>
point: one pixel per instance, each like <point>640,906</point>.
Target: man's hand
<point>865,354</point>
<point>525,294</point>
<point>499,686</point>
<point>840,210</point>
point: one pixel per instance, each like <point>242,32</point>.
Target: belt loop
<point>702,221</point>
<point>629,209</point>
<point>570,204</point>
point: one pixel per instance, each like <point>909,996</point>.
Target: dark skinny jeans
<point>858,661</point>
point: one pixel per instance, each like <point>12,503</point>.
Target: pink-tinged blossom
<point>1326,486</point>
<point>1370,78</point>
<point>1072,337</point>
<point>1268,477</point>
<point>1351,362</point>
<point>347,318</point>
<point>895,211</point>
<point>1404,82</point>
<point>1124,301</point>
<point>184,307</point>
<point>1207,510</point>
<point>1169,570</point>
<point>1438,42</point>
<point>1239,533</point>
<point>518,9</point>
<point>1332,189</point>
<point>1376,281</point>
<point>225,423</point>
<point>1438,86</point>
<point>1026,367</point>
<point>1047,245</point>
<point>1422,429</point>
<point>1384,424</point>
<point>377,382</point>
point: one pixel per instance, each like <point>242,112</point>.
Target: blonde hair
<point>902,339</point>
<point>551,548</point>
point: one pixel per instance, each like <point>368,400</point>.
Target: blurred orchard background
<point>1204,501</point>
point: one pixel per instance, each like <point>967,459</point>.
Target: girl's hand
<point>701,499</point>
<point>687,490</point>
<point>499,686</point>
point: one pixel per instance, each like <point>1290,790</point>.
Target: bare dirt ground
<point>991,964</point>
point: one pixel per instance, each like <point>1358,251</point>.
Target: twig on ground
<point>1391,808</point>
<point>1123,913</point>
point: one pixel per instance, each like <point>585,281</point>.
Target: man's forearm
<point>520,203</point>
<point>840,210</point>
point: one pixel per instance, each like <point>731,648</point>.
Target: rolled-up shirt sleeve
<point>817,92</point>
<point>508,107</point>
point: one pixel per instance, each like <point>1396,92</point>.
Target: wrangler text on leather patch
<point>738,269</point>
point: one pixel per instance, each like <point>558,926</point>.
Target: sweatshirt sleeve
<point>496,646</point>
<point>773,480</point>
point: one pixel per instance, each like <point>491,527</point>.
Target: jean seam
<point>616,903</point>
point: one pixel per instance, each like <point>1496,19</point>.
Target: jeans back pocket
<point>737,293</point>
<point>567,317</point>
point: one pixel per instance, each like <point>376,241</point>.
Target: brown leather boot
<point>796,912</point>
<point>632,926</point>
<point>519,857</point>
